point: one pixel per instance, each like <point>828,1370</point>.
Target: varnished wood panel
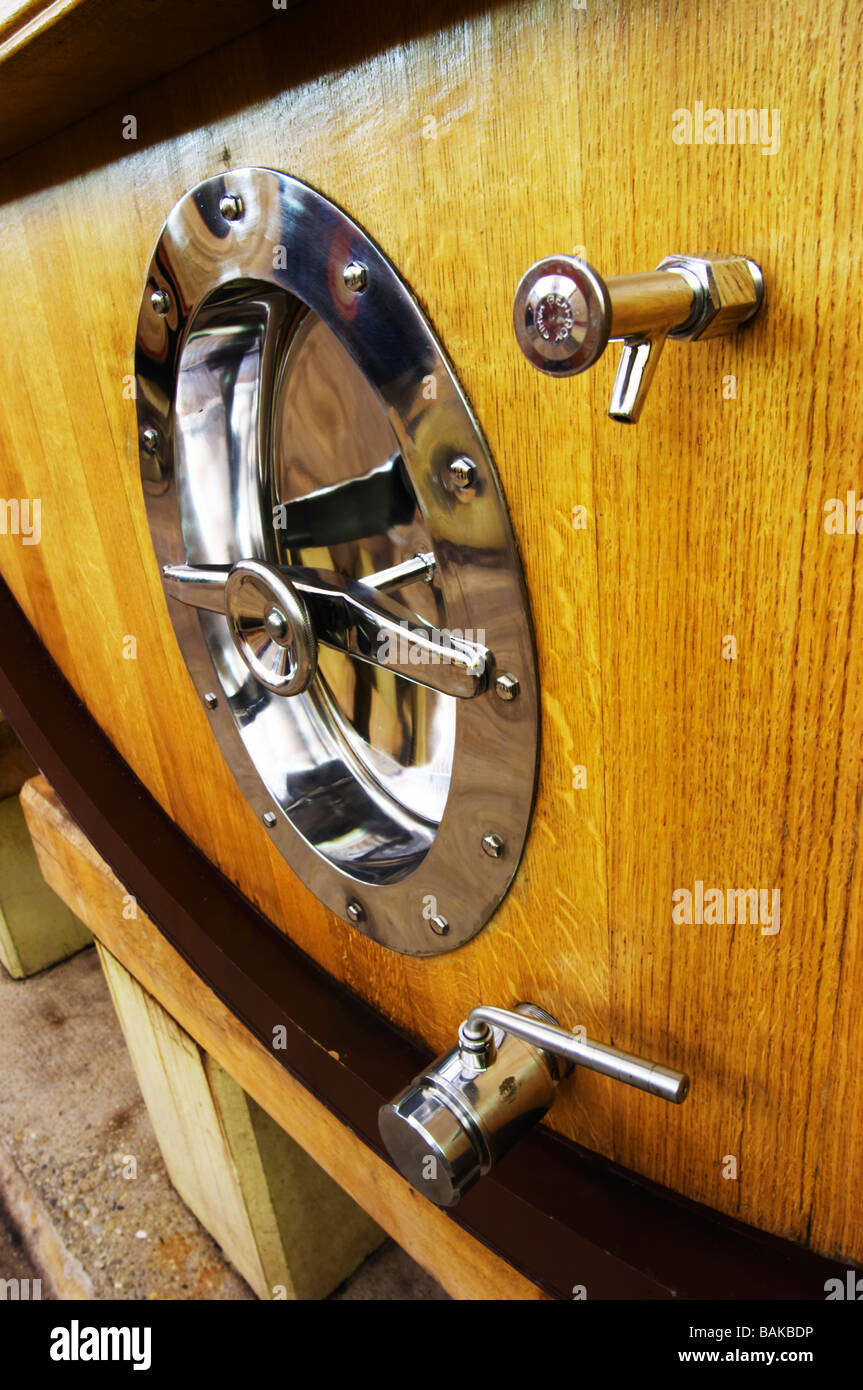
<point>468,150</point>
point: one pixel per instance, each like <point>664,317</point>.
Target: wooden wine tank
<point>691,577</point>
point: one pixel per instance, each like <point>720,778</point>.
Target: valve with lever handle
<point>451,1124</point>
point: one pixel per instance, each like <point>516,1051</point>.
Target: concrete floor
<point>70,1110</point>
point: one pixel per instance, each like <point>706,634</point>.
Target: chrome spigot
<point>457,1118</point>
<point>565,314</point>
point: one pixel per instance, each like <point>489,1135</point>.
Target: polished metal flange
<point>338,560</point>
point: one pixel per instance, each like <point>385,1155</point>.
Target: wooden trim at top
<point>60,61</point>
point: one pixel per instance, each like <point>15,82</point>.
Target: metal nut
<point>493,845</point>
<point>211,700</point>
<point>729,290</point>
<point>355,277</point>
<point>439,925</point>
<point>462,473</point>
<point>269,819</point>
<point>506,687</point>
<point>356,913</point>
<point>231,207</point>
<point>161,301</point>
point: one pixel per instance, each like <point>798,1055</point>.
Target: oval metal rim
<point>456,880</point>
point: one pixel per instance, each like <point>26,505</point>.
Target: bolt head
<point>231,207</point>
<point>211,700</point>
<point>493,845</point>
<point>150,440</point>
<point>439,925</point>
<point>507,687</point>
<point>269,819</point>
<point>355,277</point>
<point>462,473</point>
<point>161,301</point>
<point>356,912</point>
<point>276,624</point>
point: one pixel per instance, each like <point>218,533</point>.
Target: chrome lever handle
<point>565,314</point>
<point>476,1034</point>
<point>278,614</point>
<point>451,1124</point>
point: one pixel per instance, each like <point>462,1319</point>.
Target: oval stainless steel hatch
<point>340,568</point>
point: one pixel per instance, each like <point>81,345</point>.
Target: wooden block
<point>287,1227</point>
<point>37,929</point>
<point>464,1266</point>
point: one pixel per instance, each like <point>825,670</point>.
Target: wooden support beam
<point>37,929</point>
<point>282,1222</point>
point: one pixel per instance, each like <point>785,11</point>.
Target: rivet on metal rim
<point>439,925</point>
<point>493,845</point>
<point>161,301</point>
<point>355,911</point>
<point>150,440</point>
<point>506,687</point>
<point>462,472</point>
<point>231,207</point>
<point>355,277</point>
<point>211,700</point>
<point>269,818</point>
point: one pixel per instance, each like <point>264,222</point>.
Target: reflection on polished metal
<point>565,314</point>
<point>458,1117</point>
<point>303,511</point>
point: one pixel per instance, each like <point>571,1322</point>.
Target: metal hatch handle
<point>278,609</point>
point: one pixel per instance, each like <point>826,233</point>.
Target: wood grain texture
<point>552,129</point>
<point>465,1267</point>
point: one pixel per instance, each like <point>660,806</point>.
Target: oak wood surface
<point>468,149</point>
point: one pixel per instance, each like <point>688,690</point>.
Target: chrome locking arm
<point>279,613</point>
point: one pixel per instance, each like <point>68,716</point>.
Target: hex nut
<point>731,290</point>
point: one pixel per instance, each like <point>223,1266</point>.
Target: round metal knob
<point>562,315</point>
<point>270,626</point>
